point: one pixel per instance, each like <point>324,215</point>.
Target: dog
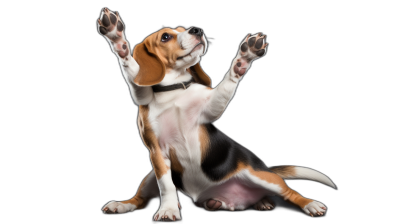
<point>176,109</point>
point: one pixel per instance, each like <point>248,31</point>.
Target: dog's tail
<point>299,172</point>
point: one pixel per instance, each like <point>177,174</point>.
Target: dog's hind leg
<point>147,190</point>
<point>276,185</point>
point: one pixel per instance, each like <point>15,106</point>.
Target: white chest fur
<point>174,117</point>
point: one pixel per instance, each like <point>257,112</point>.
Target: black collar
<point>182,85</point>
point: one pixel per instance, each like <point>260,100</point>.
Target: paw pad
<point>255,45</point>
<point>108,21</point>
<point>111,26</point>
<point>240,67</point>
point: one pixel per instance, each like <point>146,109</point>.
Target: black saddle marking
<point>224,154</point>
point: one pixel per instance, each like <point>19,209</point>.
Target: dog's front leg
<point>111,27</point>
<point>252,48</point>
<point>169,208</point>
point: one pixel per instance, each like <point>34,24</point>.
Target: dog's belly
<point>234,194</point>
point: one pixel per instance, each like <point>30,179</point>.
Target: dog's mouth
<point>198,46</point>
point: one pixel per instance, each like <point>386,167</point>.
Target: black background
<point>294,106</point>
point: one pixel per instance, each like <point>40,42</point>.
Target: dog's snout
<point>196,31</point>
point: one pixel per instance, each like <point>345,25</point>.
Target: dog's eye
<point>165,37</point>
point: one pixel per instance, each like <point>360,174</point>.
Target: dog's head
<point>169,50</point>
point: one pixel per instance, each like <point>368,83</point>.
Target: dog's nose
<point>196,31</point>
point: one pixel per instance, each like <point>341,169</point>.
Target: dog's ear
<point>152,70</point>
<point>199,75</point>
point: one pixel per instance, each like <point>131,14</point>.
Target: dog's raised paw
<point>111,26</point>
<point>108,21</point>
<point>254,46</point>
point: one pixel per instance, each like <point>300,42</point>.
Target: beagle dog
<point>177,106</point>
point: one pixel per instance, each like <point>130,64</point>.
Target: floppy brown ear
<point>199,75</point>
<point>152,70</point>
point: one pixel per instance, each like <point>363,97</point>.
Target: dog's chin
<point>197,52</point>
<point>197,49</point>
<point>188,62</point>
<point>190,59</point>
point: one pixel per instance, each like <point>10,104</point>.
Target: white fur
<point>141,95</point>
<point>176,76</point>
<point>121,208</point>
<point>310,174</point>
<point>169,199</point>
<point>174,119</point>
<point>314,207</point>
<point>274,188</point>
<point>223,93</point>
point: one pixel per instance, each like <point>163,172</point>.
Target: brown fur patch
<point>151,142</point>
<point>168,51</point>
<point>240,166</point>
<point>159,166</point>
<point>155,57</point>
<point>145,129</point>
<point>287,193</point>
<point>152,69</point>
<point>138,199</point>
<point>268,176</point>
<point>199,75</point>
<point>175,164</point>
<point>284,171</point>
<point>204,141</point>
<point>295,198</point>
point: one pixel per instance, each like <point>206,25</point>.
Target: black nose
<point>196,31</point>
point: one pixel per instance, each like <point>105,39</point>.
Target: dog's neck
<point>175,77</point>
<point>171,78</point>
